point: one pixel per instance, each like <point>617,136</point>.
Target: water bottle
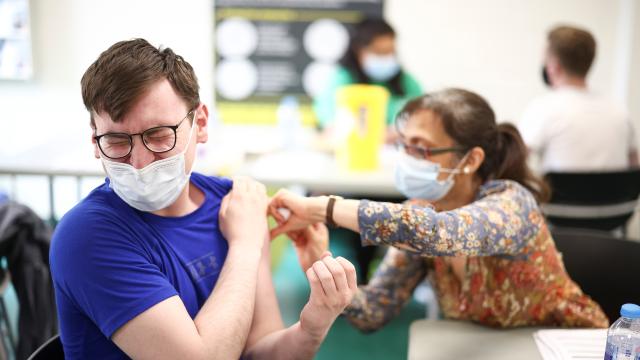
<point>623,338</point>
<point>289,122</point>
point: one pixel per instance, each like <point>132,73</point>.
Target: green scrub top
<point>324,105</point>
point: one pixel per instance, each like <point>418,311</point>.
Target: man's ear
<point>96,149</point>
<point>554,68</point>
<point>202,121</point>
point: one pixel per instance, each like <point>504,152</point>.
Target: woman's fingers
<point>293,223</point>
<point>275,212</point>
<point>283,228</point>
<point>277,203</point>
<point>279,200</point>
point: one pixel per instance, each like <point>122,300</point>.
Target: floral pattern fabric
<point>513,274</point>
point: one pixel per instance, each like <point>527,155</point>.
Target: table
<point>448,339</point>
<point>320,173</point>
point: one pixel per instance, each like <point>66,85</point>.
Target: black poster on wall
<point>266,49</point>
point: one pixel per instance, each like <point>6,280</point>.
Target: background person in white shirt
<point>572,128</point>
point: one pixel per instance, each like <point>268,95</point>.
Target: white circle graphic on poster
<point>316,77</point>
<point>326,40</point>
<point>236,79</point>
<point>236,37</point>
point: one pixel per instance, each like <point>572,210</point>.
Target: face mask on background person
<point>380,67</point>
<point>153,187</point>
<point>418,178</point>
<point>545,76</point>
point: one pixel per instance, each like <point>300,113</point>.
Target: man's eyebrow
<point>420,140</point>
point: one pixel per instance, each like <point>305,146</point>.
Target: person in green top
<point>370,59</point>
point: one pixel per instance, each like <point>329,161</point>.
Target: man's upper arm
<point>266,316</point>
<point>105,272</point>
<point>126,295</point>
<point>164,331</point>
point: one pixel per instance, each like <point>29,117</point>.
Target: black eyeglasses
<point>421,152</point>
<point>159,139</point>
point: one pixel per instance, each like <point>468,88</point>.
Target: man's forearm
<point>292,343</point>
<point>225,319</point>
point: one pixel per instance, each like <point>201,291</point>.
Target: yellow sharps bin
<point>361,113</point>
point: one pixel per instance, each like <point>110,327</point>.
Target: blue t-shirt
<point>110,263</point>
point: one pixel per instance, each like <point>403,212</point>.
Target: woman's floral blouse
<point>513,274</point>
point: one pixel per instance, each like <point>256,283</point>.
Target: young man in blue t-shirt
<point>162,263</point>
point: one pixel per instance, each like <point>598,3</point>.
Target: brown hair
<point>575,49</point>
<point>125,71</point>
<point>470,122</point>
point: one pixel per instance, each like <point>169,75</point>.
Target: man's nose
<point>140,156</point>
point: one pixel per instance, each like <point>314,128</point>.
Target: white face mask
<point>153,187</point>
<point>418,178</point>
<point>380,67</point>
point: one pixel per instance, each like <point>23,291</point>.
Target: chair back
<point>593,200</point>
<point>50,350</point>
<point>605,267</point>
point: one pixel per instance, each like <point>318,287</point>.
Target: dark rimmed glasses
<point>159,139</point>
<point>422,152</point>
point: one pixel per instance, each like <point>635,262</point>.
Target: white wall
<point>495,47</point>
<point>68,35</point>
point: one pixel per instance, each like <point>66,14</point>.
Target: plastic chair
<point>50,350</point>
<point>605,267</point>
<point>601,201</point>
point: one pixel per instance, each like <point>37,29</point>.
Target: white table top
<point>447,339</point>
<point>320,172</point>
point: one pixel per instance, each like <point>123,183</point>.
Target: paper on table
<point>561,344</point>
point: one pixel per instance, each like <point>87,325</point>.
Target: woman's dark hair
<point>362,36</point>
<point>470,121</point>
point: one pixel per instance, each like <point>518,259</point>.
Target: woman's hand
<point>303,211</point>
<point>311,244</point>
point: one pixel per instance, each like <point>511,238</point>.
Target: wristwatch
<point>329,217</point>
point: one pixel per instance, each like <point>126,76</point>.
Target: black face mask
<point>545,76</point>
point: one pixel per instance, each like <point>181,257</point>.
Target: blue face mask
<point>418,179</point>
<point>380,68</point>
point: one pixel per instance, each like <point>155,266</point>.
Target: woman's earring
<point>465,170</point>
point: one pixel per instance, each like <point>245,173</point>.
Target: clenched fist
<point>333,285</point>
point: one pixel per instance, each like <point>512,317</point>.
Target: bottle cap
<point>630,311</point>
